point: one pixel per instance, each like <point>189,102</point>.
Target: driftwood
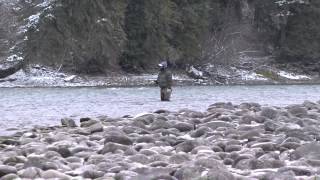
<point>11,69</point>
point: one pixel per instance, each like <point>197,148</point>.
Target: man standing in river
<point>164,81</point>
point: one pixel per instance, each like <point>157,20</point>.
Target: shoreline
<point>191,82</point>
<point>246,141</point>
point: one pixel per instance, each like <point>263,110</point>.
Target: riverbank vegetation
<point>98,36</point>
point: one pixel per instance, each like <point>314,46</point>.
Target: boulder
<point>4,170</point>
<point>68,122</point>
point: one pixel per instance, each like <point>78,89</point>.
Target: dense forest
<point>96,36</point>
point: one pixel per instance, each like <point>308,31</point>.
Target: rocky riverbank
<point>226,142</point>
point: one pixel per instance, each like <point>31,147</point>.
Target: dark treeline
<point>95,36</point>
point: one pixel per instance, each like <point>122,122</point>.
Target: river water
<point>25,107</point>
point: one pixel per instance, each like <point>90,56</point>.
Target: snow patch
<point>13,58</point>
<point>292,76</point>
<point>248,75</point>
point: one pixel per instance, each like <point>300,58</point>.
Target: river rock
<point>220,175</point>
<point>97,127</point>
<point>53,174</point>
<point>68,122</point>
<point>187,146</point>
<point>145,139</point>
<point>118,138</point>
<point>159,124</point>
<point>4,170</point>
<point>216,124</point>
<point>92,174</point>
<point>179,158</point>
<point>10,177</point>
<point>30,173</point>
<point>112,147</point>
<point>269,112</point>
<point>297,110</point>
<point>183,127</point>
<point>308,151</point>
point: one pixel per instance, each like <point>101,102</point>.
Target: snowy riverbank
<point>227,141</point>
<point>41,76</point>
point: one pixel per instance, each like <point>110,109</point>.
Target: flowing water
<point>26,107</point>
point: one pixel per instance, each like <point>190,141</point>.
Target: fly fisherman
<point>164,81</point>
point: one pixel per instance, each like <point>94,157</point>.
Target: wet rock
<point>145,139</point>
<point>287,175</point>
<point>186,146</point>
<point>270,126</point>
<point>118,138</point>
<point>220,175</point>
<point>15,160</point>
<point>179,158</point>
<point>183,127</point>
<point>4,170</point>
<point>269,113</point>
<point>159,164</point>
<point>10,177</point>
<point>53,174</point>
<point>64,151</point>
<point>298,171</point>
<point>247,119</point>
<point>297,110</point>
<point>140,158</point>
<point>216,124</point>
<point>88,123</point>
<point>250,134</point>
<point>159,124</point>
<point>80,149</point>
<point>200,132</point>
<point>146,119</point>
<point>231,148</point>
<point>290,145</point>
<point>30,173</point>
<point>97,127</point>
<point>112,147</point>
<point>188,172</point>
<point>67,122</point>
<point>308,151</point>
<point>228,161</point>
<point>92,174</point>
<point>266,146</point>
<point>299,134</point>
<point>209,163</point>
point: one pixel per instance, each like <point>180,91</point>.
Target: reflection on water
<point>24,107</point>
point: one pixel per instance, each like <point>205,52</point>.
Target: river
<point>25,107</point>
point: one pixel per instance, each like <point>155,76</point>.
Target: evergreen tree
<point>134,55</point>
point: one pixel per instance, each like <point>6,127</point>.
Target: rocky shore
<point>226,142</point>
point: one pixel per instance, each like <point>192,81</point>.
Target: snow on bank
<point>250,76</point>
<point>293,76</point>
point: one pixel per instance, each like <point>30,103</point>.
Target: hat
<point>163,64</point>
